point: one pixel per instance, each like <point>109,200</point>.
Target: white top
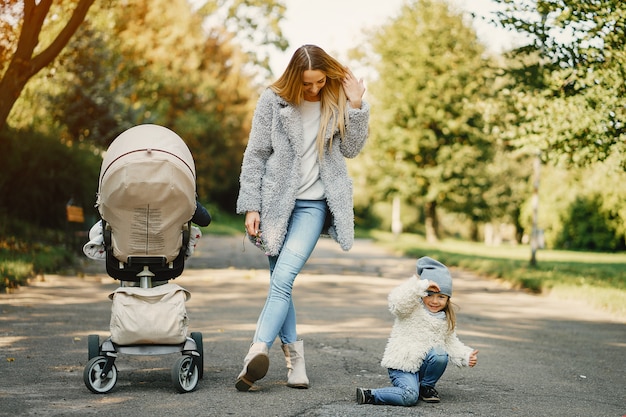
<point>311,187</point>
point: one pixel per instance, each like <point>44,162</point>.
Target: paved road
<point>538,356</point>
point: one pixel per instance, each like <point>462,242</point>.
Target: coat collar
<point>292,122</point>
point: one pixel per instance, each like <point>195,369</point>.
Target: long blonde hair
<point>450,310</point>
<point>333,99</point>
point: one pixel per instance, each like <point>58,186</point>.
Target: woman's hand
<point>354,89</point>
<point>252,222</point>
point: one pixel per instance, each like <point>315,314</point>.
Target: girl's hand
<point>433,287</point>
<point>473,359</point>
<point>354,89</point>
<point>252,222</point>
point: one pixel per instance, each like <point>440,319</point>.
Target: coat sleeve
<point>406,297</point>
<point>357,130</point>
<point>458,352</point>
<point>256,154</point>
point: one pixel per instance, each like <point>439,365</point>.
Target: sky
<point>336,25</point>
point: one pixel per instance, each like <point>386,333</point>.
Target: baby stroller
<point>146,199</point>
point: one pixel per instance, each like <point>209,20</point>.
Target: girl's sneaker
<point>364,396</point>
<point>429,394</point>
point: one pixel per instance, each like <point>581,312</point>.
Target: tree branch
<point>55,48</point>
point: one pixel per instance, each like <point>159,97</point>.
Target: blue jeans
<point>278,317</point>
<point>406,385</point>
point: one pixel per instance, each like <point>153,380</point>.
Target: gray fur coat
<point>415,332</point>
<point>270,173</point>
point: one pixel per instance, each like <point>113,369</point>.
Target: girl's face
<point>312,82</point>
<point>435,302</point>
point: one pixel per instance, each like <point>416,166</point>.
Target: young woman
<point>423,339</point>
<point>294,186</point>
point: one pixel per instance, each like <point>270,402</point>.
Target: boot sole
<point>298,386</point>
<point>257,369</point>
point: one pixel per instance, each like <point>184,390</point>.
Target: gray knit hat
<point>432,270</point>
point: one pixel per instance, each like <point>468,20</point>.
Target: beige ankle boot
<point>255,366</point>
<point>294,355</point>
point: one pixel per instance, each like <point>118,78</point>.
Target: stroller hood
<point>146,192</point>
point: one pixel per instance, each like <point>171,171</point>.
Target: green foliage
<point>40,175</point>
<point>94,106</point>
<point>223,222</point>
<point>192,82</point>
<point>158,62</point>
<point>255,23</point>
<point>570,80</point>
<point>429,141</point>
<point>17,268</point>
<point>14,272</point>
<point>27,250</point>
<point>599,191</point>
<point>51,259</point>
<point>587,227</point>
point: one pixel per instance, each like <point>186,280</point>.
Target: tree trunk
<point>23,65</point>
<point>431,222</point>
<point>396,223</point>
<point>474,231</point>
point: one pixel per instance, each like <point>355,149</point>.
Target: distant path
<point>538,356</point>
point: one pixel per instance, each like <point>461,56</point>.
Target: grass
<point>599,278</point>
<point>17,267</point>
<point>225,224</point>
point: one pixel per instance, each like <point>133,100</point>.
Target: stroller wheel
<point>184,378</point>
<point>197,337</point>
<point>93,346</point>
<point>93,378</point>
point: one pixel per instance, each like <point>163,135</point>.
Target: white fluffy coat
<point>270,173</point>
<point>415,331</point>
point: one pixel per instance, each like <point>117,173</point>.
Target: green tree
<point>94,105</point>
<point>254,23</point>
<point>192,80</point>
<point>571,81</point>
<point>429,142</point>
<point>23,56</point>
<point>154,62</point>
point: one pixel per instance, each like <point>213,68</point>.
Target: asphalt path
<point>539,355</point>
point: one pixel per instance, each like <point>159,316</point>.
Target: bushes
<point>582,209</point>
<point>40,175</point>
<point>588,227</point>
<point>17,267</point>
<point>26,250</point>
<point>14,273</point>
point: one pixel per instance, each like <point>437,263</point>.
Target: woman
<point>293,177</point>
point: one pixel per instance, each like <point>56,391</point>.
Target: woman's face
<point>435,302</point>
<point>312,83</point>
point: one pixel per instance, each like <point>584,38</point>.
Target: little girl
<point>423,339</point>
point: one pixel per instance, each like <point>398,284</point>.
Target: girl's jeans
<point>406,385</point>
<point>278,317</point>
